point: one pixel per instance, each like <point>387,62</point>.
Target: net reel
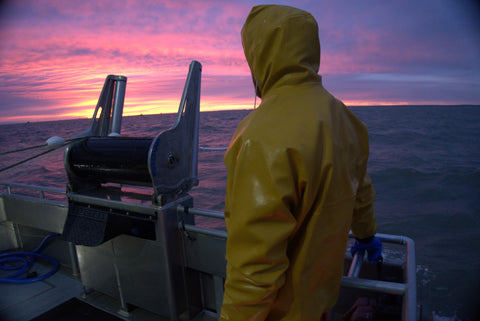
<point>167,163</point>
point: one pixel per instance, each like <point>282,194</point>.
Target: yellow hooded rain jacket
<point>297,180</point>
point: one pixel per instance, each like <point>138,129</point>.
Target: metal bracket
<point>107,117</point>
<point>173,154</point>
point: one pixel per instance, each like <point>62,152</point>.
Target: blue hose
<point>10,262</point>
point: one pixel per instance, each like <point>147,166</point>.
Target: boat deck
<point>25,302</point>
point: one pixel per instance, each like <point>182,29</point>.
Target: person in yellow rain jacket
<point>297,180</point>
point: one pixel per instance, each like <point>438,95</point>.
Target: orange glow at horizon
<point>153,107</point>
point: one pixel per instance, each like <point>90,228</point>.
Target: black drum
<point>109,159</point>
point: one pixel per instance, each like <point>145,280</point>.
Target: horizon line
<point>14,122</point>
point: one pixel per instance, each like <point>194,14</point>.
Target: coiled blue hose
<point>10,262</point>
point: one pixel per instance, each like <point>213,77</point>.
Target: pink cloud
<point>55,55</point>
<point>62,54</point>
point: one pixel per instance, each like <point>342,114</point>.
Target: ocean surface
<point>424,162</point>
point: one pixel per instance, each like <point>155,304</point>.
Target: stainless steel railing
<point>41,190</point>
<point>407,289</point>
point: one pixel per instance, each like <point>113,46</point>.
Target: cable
<point>25,160</point>
<point>9,262</point>
<point>52,142</point>
<point>54,146</point>
<point>23,149</point>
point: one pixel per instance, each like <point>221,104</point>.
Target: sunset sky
<point>55,55</point>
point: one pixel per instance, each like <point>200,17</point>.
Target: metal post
<point>410,298</point>
<point>73,259</point>
<point>356,264</point>
<point>218,286</point>
<point>123,311</point>
<point>205,213</point>
<point>119,96</point>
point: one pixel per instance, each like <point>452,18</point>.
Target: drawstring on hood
<point>255,102</point>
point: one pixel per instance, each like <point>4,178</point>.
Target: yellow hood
<point>281,46</point>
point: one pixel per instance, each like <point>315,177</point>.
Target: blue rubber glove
<point>373,248</point>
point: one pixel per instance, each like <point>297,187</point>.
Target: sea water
<point>424,163</point>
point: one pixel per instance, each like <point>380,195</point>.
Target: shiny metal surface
<point>180,275</point>
<point>206,253</point>
<point>108,112</point>
<point>173,154</point>
<point>129,269</point>
<point>44,215</point>
<point>8,239</point>
<point>356,265</point>
<point>145,273</point>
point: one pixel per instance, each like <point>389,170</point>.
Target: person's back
<point>296,181</point>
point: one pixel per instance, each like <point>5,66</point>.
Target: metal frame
<point>41,190</point>
<point>173,154</point>
<point>203,249</point>
<point>110,107</point>
<point>407,290</point>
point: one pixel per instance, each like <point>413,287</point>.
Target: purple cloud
<point>54,55</point>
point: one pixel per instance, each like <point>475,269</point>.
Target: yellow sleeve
<point>260,195</point>
<point>364,223</point>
